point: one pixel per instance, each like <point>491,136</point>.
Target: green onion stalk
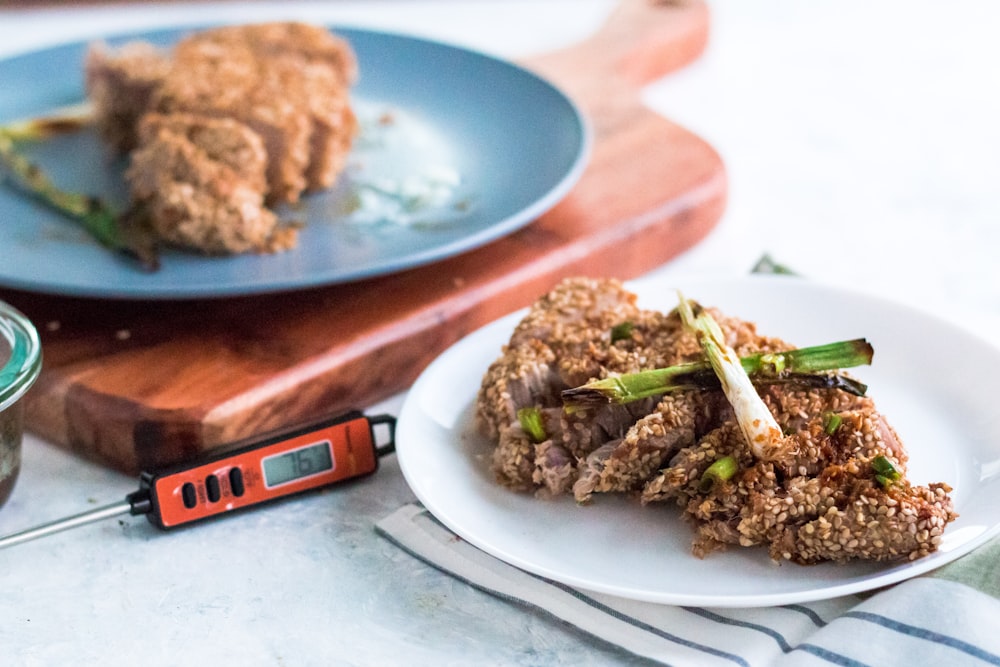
<point>802,367</point>
<point>720,471</point>
<point>755,420</point>
<point>126,233</point>
<point>885,472</point>
<point>831,422</point>
<point>532,423</point>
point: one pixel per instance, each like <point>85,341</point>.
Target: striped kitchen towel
<point>951,617</point>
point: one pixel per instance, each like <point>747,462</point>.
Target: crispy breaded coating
<point>120,84</point>
<point>312,44</point>
<point>555,332</point>
<point>829,500</point>
<point>199,178</point>
<point>210,79</point>
<point>286,82</point>
<point>828,505</point>
<point>514,458</point>
<point>647,445</point>
<point>303,74</point>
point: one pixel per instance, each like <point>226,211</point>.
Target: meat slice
<point>555,332</point>
<point>222,139</point>
<point>903,522</point>
<point>521,463</point>
<point>584,431</point>
<point>513,462</point>
<point>199,181</point>
<point>334,126</point>
<point>680,479</point>
<point>675,423</point>
<point>286,82</point>
<point>555,468</point>
<point>521,378</point>
<point>209,80</point>
<point>551,343</point>
<point>845,514</point>
<point>120,84</point>
<point>311,43</point>
<point>836,509</point>
<point>803,414</point>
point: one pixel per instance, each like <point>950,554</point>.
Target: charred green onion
<point>885,472</point>
<point>755,420</point>
<point>720,471</point>
<point>532,423</point>
<point>622,331</point>
<point>800,367</point>
<point>66,119</point>
<point>766,264</point>
<point>126,234</point>
<point>831,422</point>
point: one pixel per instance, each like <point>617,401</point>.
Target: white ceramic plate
<point>934,382</point>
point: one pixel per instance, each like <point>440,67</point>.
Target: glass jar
<point>20,363</point>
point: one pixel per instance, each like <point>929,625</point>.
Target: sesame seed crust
<point>824,501</point>
<point>514,459</point>
<point>647,445</point>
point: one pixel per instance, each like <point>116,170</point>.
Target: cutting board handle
<point>639,42</point>
<point>643,40</point>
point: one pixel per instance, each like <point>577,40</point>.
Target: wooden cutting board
<point>138,385</point>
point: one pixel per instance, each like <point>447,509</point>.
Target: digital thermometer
<point>275,466</point>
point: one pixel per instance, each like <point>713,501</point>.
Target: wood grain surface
<point>139,385</point>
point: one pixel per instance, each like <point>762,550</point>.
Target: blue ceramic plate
<point>457,150</point>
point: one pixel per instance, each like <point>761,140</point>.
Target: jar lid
<point>20,355</point>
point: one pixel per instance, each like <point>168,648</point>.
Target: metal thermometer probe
<point>272,467</point>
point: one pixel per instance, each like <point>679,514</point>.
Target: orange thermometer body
<point>270,468</point>
<point>247,474</point>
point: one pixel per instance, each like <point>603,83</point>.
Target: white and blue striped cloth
<point>951,617</point>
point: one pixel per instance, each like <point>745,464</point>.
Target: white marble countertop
<point>862,146</point>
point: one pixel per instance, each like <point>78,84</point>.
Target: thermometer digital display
<point>297,464</point>
<point>248,474</point>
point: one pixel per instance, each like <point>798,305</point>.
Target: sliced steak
<point>120,84</point>
<point>199,180</point>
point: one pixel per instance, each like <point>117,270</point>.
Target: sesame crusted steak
<point>120,83</point>
<point>286,84</point>
<point>826,504</point>
<point>200,179</point>
<point>838,492</point>
<point>311,71</point>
